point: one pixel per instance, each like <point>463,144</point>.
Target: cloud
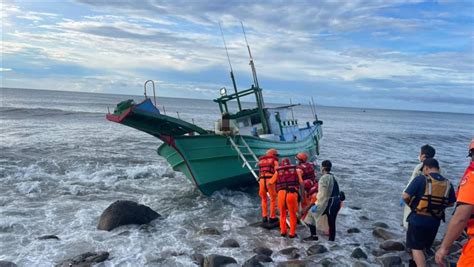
<point>384,49</point>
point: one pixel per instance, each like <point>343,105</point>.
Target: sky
<point>415,55</point>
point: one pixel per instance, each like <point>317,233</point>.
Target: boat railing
<point>154,92</point>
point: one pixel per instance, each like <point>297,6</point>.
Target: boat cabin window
<point>255,119</point>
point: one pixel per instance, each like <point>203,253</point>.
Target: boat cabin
<point>270,123</point>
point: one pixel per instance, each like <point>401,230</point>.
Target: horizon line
<point>203,99</point>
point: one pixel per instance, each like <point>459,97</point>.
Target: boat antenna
<point>252,65</point>
<point>314,108</point>
<point>230,65</point>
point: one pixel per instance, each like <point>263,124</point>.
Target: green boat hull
<point>211,162</point>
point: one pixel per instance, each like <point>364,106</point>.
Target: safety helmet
<point>302,157</point>
<point>272,152</point>
<point>307,185</point>
<point>285,162</point>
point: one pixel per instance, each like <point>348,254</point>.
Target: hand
<point>314,208</point>
<point>402,202</point>
<point>440,255</point>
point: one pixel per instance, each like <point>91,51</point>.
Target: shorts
<point>421,237</point>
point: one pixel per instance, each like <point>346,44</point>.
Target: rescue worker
<point>426,152</point>
<point>464,216</point>
<point>287,179</point>
<point>306,167</point>
<point>327,203</point>
<point>428,195</point>
<point>267,166</point>
<point>309,197</point>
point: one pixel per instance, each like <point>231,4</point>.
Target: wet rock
<point>7,264</point>
<point>262,258</point>
<point>230,243</point>
<point>252,262</point>
<point>316,249</point>
<point>358,253</point>
<point>355,208</point>
<point>257,260</point>
<point>123,212</point>
<point>390,261</point>
<point>46,237</point>
<point>363,218</point>
<point>360,264</point>
<point>198,259</point>
<point>215,260</point>
<point>381,225</point>
<point>326,262</point>
<point>287,251</point>
<point>379,252</point>
<point>263,251</point>
<point>391,245</point>
<point>85,259</point>
<point>293,263</point>
<point>383,234</point>
<point>353,230</point>
<point>209,231</point>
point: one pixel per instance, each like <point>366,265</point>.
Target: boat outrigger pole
<point>260,103</point>
<point>230,65</point>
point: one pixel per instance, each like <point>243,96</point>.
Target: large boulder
<point>215,260</point>
<point>123,212</point>
<point>86,259</point>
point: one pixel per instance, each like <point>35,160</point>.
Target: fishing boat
<point>227,156</point>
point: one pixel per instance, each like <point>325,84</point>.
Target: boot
<point>273,220</point>
<point>264,219</point>
<point>311,238</point>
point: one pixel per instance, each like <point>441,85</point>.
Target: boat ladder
<point>244,151</point>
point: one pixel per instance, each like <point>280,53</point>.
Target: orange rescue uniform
<point>288,180</point>
<point>267,166</point>
<point>466,196</point>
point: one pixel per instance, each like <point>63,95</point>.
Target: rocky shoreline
<point>387,248</point>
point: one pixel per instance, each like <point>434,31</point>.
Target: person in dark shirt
<point>428,195</point>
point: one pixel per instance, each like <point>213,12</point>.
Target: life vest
<point>308,171</point>
<point>435,199</point>
<point>287,179</point>
<point>468,175</point>
<point>266,166</point>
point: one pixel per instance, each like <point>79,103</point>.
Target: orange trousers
<point>467,256</point>
<point>288,201</point>
<point>265,188</point>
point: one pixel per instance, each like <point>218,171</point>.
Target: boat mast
<point>260,102</point>
<point>230,65</point>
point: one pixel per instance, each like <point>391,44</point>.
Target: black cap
<point>326,164</point>
<point>431,163</point>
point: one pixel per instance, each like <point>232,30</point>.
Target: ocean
<point>62,163</point>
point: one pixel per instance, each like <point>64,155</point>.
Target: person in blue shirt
<point>428,195</point>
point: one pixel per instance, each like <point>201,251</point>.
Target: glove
<point>402,202</point>
<point>314,208</point>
